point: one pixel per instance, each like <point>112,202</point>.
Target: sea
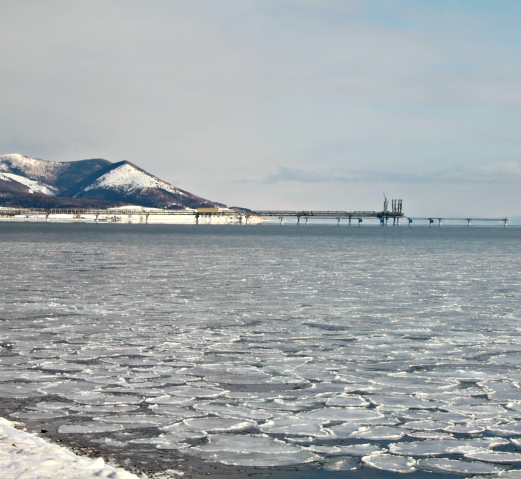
<point>282,351</point>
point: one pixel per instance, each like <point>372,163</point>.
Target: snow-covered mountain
<point>89,182</point>
<point>128,183</point>
<point>51,174</point>
<point>33,186</point>
<point>8,184</point>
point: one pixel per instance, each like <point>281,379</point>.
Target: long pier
<point>440,220</point>
<point>242,216</point>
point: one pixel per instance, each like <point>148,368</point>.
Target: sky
<point>276,104</point>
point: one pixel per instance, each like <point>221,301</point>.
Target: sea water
<point>312,348</point>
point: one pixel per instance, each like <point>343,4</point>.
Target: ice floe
<point>340,464</point>
<point>247,450</point>
<point>216,424</point>
<point>341,414</point>
<point>391,463</point>
<point>294,427</point>
<point>456,466</point>
<point>93,427</point>
<point>495,456</point>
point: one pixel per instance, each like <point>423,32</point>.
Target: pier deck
<point>245,216</point>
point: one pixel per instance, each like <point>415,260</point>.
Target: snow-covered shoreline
<point>25,456</point>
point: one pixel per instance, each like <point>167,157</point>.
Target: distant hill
<point>126,182</point>
<point>89,183</point>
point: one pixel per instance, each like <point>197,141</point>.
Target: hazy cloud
<point>496,173</point>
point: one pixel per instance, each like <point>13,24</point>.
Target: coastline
<point>24,455</point>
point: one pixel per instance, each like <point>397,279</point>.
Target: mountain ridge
<point>91,181</point>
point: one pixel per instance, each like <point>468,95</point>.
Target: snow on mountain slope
<point>126,183</point>
<point>130,178</point>
<point>33,168</point>
<point>33,185</point>
<point>8,184</point>
<point>50,174</point>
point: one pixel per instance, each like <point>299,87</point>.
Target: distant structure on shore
<point>215,215</point>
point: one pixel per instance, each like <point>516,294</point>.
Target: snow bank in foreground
<point>24,456</point>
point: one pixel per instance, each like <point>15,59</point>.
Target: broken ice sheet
<point>429,435</point>
<point>247,450</point>
<point>403,402</point>
<point>499,457</point>
<point>422,448</point>
<point>165,441</point>
<point>427,425</point>
<point>257,459</point>
<point>98,409</point>
<point>469,428</point>
<point>39,415</point>
<point>379,433</point>
<point>391,463</point>
<point>508,429</point>
<point>456,466</point>
<point>89,428</point>
<point>480,410</point>
<point>136,421</point>
<point>294,426</point>
<point>443,446</point>
<point>215,424</point>
<point>98,398</point>
<point>175,411</point>
<point>354,450</point>
<point>248,443</point>
<point>347,400</point>
<point>340,464</point>
<point>196,392</point>
<point>341,414</point>
<point>233,411</point>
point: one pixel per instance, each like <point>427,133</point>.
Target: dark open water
<point>272,350</point>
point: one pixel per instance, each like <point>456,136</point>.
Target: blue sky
<point>277,103</point>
